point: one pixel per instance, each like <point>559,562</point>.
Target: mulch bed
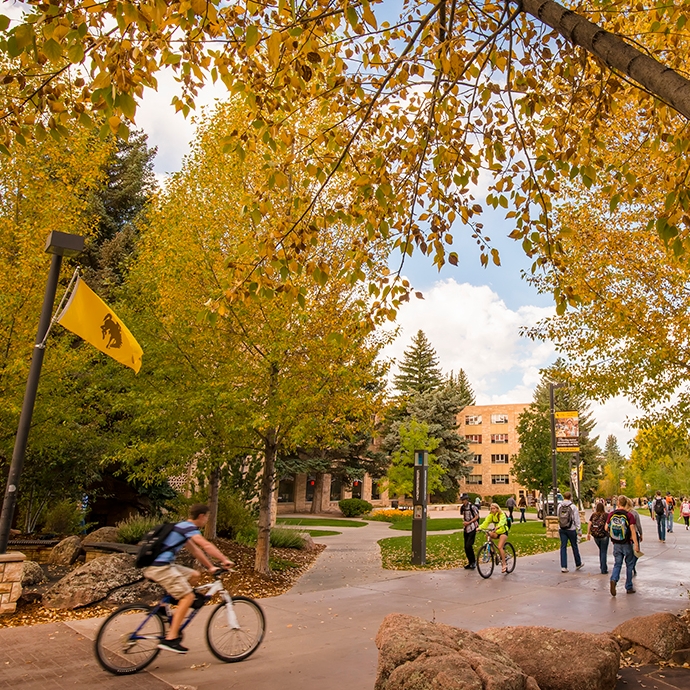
<point>287,565</point>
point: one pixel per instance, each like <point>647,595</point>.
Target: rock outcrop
<point>653,638</point>
<point>65,552</point>
<point>32,574</point>
<point>102,534</point>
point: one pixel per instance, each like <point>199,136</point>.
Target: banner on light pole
<point>567,432</point>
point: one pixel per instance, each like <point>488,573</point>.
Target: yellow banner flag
<point>89,317</point>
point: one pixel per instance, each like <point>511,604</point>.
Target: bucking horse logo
<point>114,332</point>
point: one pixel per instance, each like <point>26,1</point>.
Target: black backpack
<point>152,545</point>
<point>659,506</point>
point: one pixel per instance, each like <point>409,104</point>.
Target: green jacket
<point>495,523</point>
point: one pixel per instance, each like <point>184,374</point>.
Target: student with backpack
<point>597,531</point>
<point>568,530</point>
<point>158,552</point>
<point>659,506</point>
<point>470,517</point>
<point>685,510</point>
<point>671,506</point>
<point>621,526</point>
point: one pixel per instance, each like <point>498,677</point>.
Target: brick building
<point>491,432</point>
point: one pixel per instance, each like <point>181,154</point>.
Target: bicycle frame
<point>211,589</point>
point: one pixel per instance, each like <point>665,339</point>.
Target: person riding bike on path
<point>177,580</point>
<point>496,523</point>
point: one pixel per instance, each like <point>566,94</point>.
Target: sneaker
<point>173,646</point>
<point>631,590</point>
<point>470,566</point>
<point>613,588</point>
<point>579,567</point>
<point>564,570</point>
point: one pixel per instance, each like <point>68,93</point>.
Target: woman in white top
<point>685,510</point>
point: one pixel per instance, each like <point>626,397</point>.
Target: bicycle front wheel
<point>230,643</point>
<point>509,550</point>
<point>485,561</point>
<point>128,639</point>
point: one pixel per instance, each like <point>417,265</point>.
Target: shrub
<point>501,499</point>
<point>354,507</point>
<point>281,538</point>
<point>65,517</point>
<point>473,497</point>
<point>133,529</point>
<point>234,516</point>
<point>390,515</point>
<point>446,496</point>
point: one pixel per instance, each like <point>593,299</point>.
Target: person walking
<point>638,529</point>
<point>511,505</point>
<point>685,510</point>
<point>671,505</point>
<point>597,531</point>
<point>569,529</point>
<point>650,506</point>
<point>470,518</point>
<point>622,531</point>
<point>660,510</point>
<point>522,505</point>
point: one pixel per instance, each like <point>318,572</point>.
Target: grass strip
<point>320,522</point>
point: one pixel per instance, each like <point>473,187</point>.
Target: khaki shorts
<point>174,579</point>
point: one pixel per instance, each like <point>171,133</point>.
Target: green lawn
<point>444,551</point>
<point>320,532</point>
<point>440,524</point>
<point>320,522</point>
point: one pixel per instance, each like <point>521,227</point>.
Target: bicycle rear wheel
<point>485,561</point>
<point>230,643</point>
<point>128,639</point>
<point>509,550</point>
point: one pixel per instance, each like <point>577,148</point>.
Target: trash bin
<point>394,504</point>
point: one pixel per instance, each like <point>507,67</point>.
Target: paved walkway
<point>321,633</point>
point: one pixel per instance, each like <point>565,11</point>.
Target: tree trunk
<point>210,531</point>
<point>263,541</point>
<point>616,53</point>
<point>317,501</point>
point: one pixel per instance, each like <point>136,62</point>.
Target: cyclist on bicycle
<point>496,524</point>
<point>177,580</point>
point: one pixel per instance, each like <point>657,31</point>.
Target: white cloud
<point>611,417</point>
<point>471,328</point>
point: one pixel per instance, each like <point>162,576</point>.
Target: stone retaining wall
<point>11,565</point>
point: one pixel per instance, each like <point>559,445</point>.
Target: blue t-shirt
<point>175,541</point>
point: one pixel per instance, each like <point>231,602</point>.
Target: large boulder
<point>65,552</point>
<point>560,659</point>
<point>93,582</point>
<point>32,574</point>
<point>415,654</point>
<point>653,638</point>
<point>102,534</point>
<point>144,591</point>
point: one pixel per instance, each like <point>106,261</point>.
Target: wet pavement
<point>321,633</point>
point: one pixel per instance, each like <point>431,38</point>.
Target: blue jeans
<point>569,535</point>
<point>669,521</point>
<point>603,544</point>
<point>661,526</point>
<point>621,552</point>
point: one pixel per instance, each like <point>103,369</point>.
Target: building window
<point>474,479</point>
<point>500,479</point>
<point>499,418</point>
<point>474,438</point>
<point>500,458</point>
<point>473,419</point>
<point>375,491</point>
<point>357,488</point>
<point>477,460</point>
<point>286,490</point>
<point>311,483</point>
<point>499,438</point>
<point>336,488</point>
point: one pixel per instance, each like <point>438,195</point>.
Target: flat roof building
<point>491,432</point>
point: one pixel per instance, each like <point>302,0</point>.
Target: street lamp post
<point>59,244</point>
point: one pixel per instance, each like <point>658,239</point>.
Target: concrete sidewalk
<point>321,633</point>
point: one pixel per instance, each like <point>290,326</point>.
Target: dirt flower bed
<point>287,566</point>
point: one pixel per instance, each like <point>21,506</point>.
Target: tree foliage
<point>613,468</point>
<point>419,369</point>
<point>528,95</point>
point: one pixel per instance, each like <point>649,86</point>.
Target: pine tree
<point>463,386</point>
<point>419,369</point>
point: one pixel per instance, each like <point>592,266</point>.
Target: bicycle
<point>489,557</point>
<point>127,642</point>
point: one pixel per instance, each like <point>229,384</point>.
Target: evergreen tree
<point>462,383</point>
<point>419,369</point>
<point>613,468</point>
<point>532,464</point>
